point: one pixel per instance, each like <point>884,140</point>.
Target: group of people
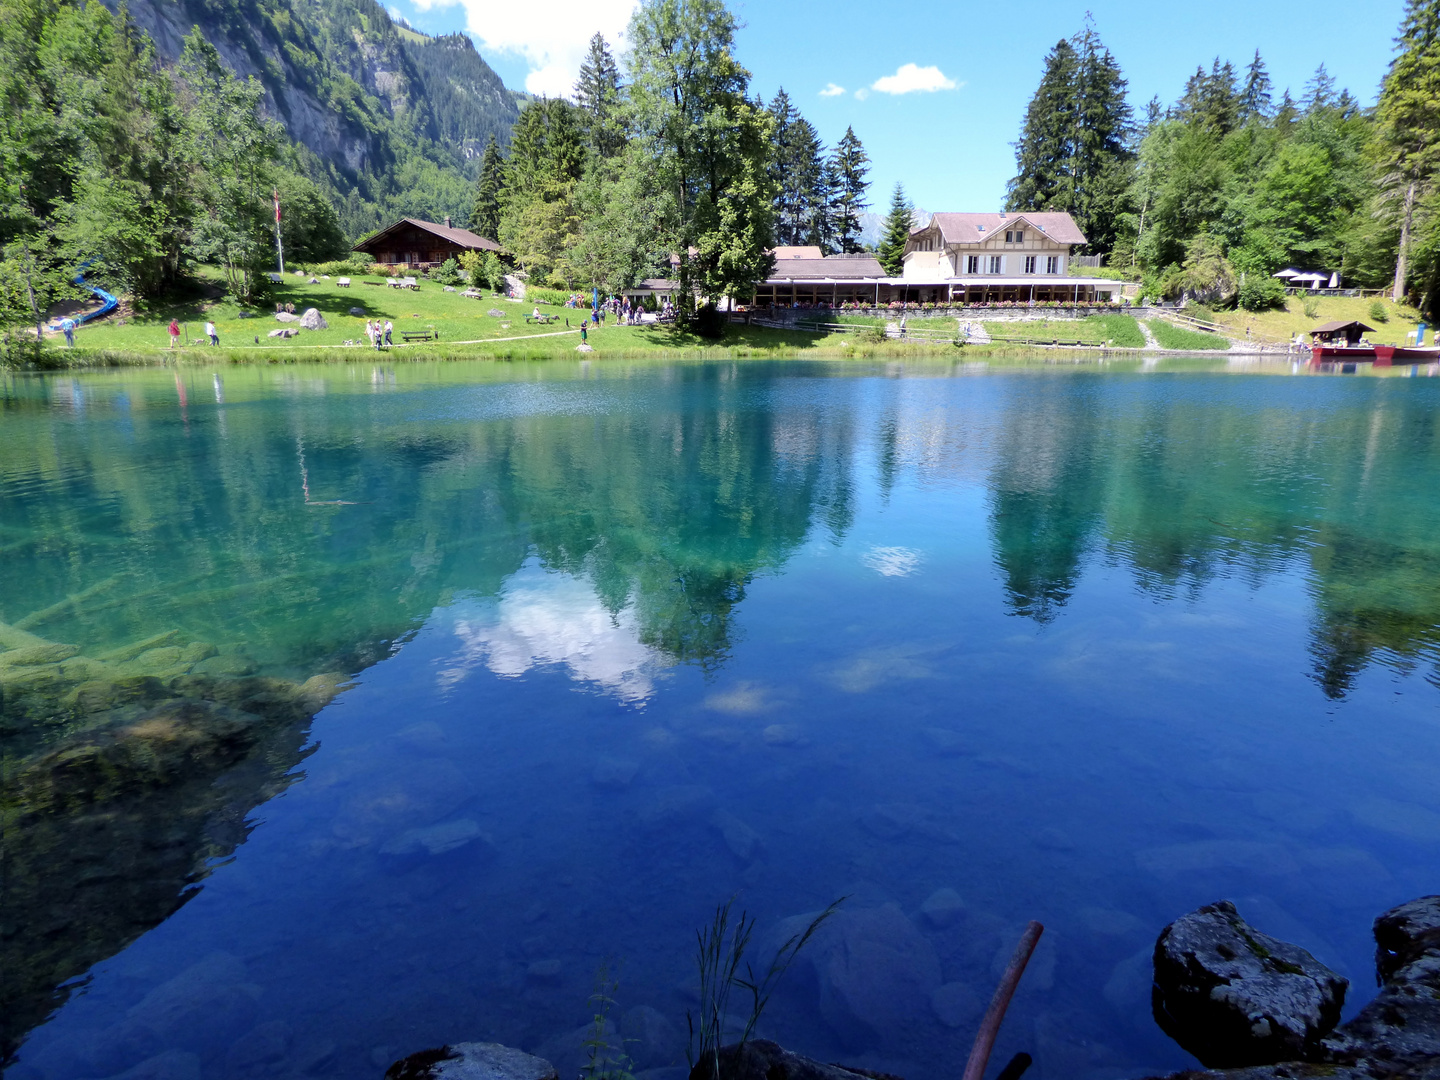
<point>379,333</point>
<point>211,331</point>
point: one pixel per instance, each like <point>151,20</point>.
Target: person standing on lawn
<point>174,329</point>
<point>67,325</point>
<point>389,329</point>
<point>211,333</point>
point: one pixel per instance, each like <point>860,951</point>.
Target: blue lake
<point>614,643</point>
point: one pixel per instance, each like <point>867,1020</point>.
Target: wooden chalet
<point>422,244</point>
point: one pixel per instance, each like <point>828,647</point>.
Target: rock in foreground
<point>472,1061</point>
<point>1233,996</point>
<point>761,1059</point>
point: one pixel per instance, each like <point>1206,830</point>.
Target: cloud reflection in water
<point>555,618</point>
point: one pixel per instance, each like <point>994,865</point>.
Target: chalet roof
<point>802,269</point>
<point>460,237</point>
<point>975,228</point>
<point>810,252</point>
<point>1342,324</point>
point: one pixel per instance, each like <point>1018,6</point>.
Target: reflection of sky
<point>544,617</point>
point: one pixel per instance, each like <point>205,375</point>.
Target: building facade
<point>952,259</point>
<point>422,244</point>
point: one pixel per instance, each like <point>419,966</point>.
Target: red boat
<point>1387,355</point>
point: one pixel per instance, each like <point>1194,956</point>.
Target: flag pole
<point>279,250</point>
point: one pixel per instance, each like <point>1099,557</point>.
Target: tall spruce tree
<point>1074,150</point>
<point>597,92</point>
<point>1042,156</point>
<point>797,171</point>
<point>489,192</point>
<point>895,233</point>
<point>1408,123</point>
<point>849,167</point>
<point>1255,94</point>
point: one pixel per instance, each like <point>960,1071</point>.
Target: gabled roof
<point>1342,324</point>
<point>975,228</point>
<point>461,237</point>
<point>797,253</point>
<point>827,269</point>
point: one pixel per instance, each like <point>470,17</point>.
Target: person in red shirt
<point>174,333</point>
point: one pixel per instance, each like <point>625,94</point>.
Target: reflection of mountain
<point>1181,489</point>
<point>182,535</point>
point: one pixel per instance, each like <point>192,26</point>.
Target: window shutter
<point>1002,264</point>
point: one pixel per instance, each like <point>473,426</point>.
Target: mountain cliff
<point>386,120</point>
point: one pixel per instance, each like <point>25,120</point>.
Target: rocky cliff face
<point>348,85</point>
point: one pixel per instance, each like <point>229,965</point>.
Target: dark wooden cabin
<point>422,244</point>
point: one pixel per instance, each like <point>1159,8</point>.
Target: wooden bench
<point>393,282</point>
<point>542,320</point>
<point>419,335</point>
<point>343,283</point>
<point>409,283</point>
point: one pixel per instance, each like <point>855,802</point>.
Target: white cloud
<point>832,90</point>
<point>552,42</point>
<point>910,78</point>
<point>892,561</point>
<point>544,618</point>
<point>862,94</point>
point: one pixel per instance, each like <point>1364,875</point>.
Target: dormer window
<point>1014,236</point>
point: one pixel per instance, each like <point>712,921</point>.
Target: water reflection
<point>609,529</point>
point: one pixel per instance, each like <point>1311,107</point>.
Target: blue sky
<point>964,72</point>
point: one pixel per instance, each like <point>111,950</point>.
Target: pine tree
<point>489,192</point>
<point>1255,95</point>
<point>847,192</point>
<point>895,233</point>
<point>1320,91</point>
<point>1042,156</point>
<point>597,92</point>
<point>1408,122</point>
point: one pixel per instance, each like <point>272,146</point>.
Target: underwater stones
<point>37,654</point>
<point>740,838</point>
<point>471,1061</point>
<point>613,773</point>
<point>232,665</point>
<point>433,839</point>
<point>1233,996</point>
<point>1202,856</point>
<point>313,320</point>
<point>674,805</point>
<point>207,1001</point>
<point>651,1040</point>
<point>570,1051</point>
<point>890,821</point>
<point>956,1005</point>
<point>260,1051</point>
<point>876,972</point>
<point>171,1065</point>
<point>945,742</point>
<point>1040,971</point>
<point>547,972</point>
<point>100,694</point>
<point>783,735</point>
<point>942,907</point>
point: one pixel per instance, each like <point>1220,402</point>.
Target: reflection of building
<point>412,242</point>
<point>954,258</point>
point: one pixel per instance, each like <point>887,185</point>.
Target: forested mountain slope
<point>386,120</point>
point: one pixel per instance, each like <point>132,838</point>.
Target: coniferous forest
<point>1211,194</point>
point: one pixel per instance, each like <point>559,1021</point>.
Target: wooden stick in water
<point>995,1015</point>
<point>35,618</point>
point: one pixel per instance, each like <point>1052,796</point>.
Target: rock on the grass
<point>286,316</point>
<point>472,1061</point>
<point>313,320</point>
<point>357,311</point>
<point>1233,996</point>
<point>283,332</point>
<point>495,313</point>
<point>448,288</point>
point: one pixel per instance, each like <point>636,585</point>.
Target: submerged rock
<point>761,1059</point>
<point>472,1061</point>
<point>1233,996</point>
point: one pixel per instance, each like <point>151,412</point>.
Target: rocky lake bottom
<point>408,707</point>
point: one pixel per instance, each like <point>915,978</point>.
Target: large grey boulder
<point>1233,996</point>
<point>1398,1033</point>
<point>286,316</point>
<point>313,320</point>
<point>472,1061</point>
<point>283,332</point>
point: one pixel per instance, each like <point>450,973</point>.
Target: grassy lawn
<point>1284,325</point>
<point>1169,336</point>
<point>1120,330</point>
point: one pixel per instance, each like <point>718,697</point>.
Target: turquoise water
<point>1087,646</point>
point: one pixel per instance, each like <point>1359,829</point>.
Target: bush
<point>447,273</point>
<point>1170,336</point>
<point>709,322</point>
<point>536,295</point>
<point>1310,305</point>
<point>1379,312</point>
<point>1261,293</point>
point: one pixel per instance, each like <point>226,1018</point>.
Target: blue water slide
<point>108,302</point>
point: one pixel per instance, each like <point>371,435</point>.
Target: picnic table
<point>542,319</point>
<point>420,335</point>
